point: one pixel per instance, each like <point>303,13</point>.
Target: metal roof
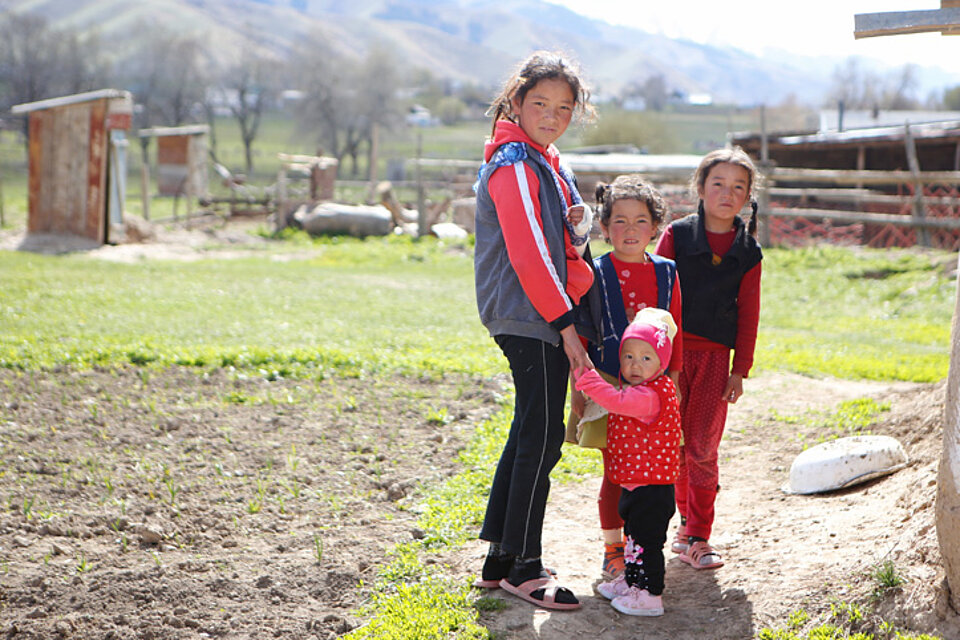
<point>77,98</point>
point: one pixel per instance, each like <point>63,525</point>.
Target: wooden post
<point>145,187</point>
<point>763,201</point>
<point>764,138</point>
<point>372,161</point>
<point>421,207</point>
<point>3,221</point>
<point>189,186</point>
<point>280,216</point>
<point>861,161</point>
<point>919,213</point>
<point>948,476</point>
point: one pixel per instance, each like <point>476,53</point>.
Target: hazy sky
<point>810,27</point>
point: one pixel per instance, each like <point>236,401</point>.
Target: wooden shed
<point>181,159</point>
<point>77,172</point>
<point>883,148</point>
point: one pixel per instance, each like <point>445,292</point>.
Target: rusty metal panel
<point>36,218</point>
<point>97,174</point>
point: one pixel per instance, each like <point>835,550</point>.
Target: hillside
<point>464,40</point>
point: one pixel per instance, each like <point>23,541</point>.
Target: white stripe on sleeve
<point>520,171</point>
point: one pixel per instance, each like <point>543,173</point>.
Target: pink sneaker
<point>638,602</point>
<point>614,588</point>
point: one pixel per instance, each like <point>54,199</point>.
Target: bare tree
<point>37,62</point>
<point>344,101</point>
<point>854,87</point>
<point>248,88</point>
<point>164,74</point>
<point>857,88</point>
<point>901,89</point>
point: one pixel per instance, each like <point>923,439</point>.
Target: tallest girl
<point>529,278</point>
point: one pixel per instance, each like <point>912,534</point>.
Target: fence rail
<point>925,210</point>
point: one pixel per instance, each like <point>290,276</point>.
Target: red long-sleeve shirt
<point>748,303</point>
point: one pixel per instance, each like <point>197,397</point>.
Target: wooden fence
<point>872,208</point>
<point>799,206</point>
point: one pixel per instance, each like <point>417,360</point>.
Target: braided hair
<point>737,157</point>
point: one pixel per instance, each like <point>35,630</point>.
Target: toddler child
<point>643,440</point>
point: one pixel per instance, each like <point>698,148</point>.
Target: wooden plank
<point>869,25</point>
<point>923,238</point>
<point>35,212</point>
<point>95,227</point>
<point>867,218</point>
<point>847,176</point>
<point>858,196</point>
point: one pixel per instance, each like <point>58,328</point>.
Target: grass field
<point>859,314</point>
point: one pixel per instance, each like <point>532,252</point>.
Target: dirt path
<point>783,552</point>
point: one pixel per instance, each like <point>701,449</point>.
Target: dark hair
<point>541,65</point>
<point>630,187</point>
<point>737,157</point>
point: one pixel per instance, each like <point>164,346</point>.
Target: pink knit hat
<point>657,328</point>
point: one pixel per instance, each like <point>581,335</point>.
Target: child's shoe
<point>638,602</point>
<point>680,542</point>
<point>614,588</point>
<point>612,560</point>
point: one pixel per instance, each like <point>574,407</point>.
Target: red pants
<point>609,499</point>
<point>703,413</point>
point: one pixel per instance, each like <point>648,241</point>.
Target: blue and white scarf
<point>514,152</point>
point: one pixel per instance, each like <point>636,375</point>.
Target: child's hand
<point>577,403</point>
<point>734,388</point>
<point>575,214</point>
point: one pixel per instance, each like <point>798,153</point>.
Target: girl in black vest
<point>718,262</point>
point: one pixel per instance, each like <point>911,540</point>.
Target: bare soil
<point>782,552</point>
<point>182,504</point>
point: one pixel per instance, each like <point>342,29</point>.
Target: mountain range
<point>473,41</point>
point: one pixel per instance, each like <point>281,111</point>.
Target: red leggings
<point>703,414</point>
<point>609,499</point>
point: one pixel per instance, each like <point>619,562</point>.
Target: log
<point>948,476</point>
<point>332,218</point>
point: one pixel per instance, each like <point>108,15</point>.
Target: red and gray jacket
<point>528,275</point>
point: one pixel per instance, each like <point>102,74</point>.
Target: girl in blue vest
<point>628,279</point>
<point>530,277</point>
<point>718,259</point>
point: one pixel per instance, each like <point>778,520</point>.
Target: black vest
<point>710,291</point>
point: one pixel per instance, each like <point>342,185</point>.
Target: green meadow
<point>395,304</point>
